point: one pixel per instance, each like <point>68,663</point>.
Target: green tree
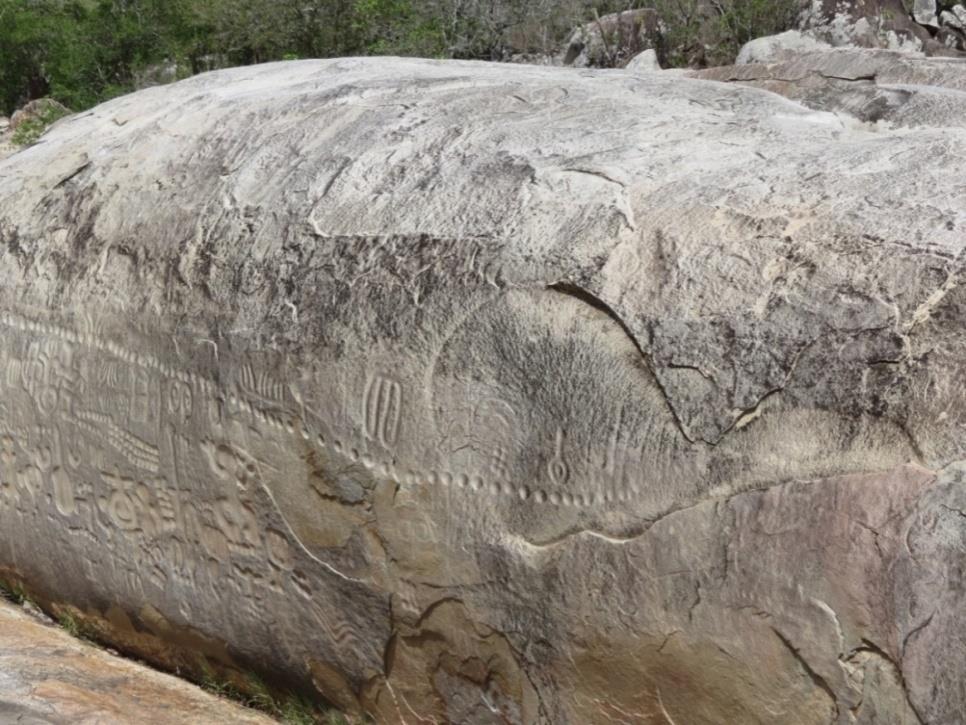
<point>82,52</point>
<point>397,27</point>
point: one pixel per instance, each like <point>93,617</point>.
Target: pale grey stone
<point>6,135</point>
<point>951,19</point>
<point>924,12</point>
<point>610,40</point>
<point>883,24</point>
<point>644,62</point>
<point>503,393</point>
<point>774,47</point>
<point>870,85</point>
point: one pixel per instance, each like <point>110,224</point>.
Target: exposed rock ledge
<point>476,393</point>
<point>871,85</point>
<point>48,677</point>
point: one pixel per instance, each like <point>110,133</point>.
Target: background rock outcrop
<point>921,27</point>
<point>475,393</point>
<point>613,40</point>
<point>7,146</point>
<point>869,85</point>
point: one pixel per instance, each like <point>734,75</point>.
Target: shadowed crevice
<point>588,298</point>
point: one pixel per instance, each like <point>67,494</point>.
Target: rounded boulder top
<point>549,363</point>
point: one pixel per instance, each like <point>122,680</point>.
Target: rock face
<point>772,47</point>
<point>613,40</point>
<point>886,24</point>
<point>37,110</point>
<point>644,62</point>
<point>870,85</point>
<point>49,678</point>
<point>6,133</point>
<point>476,393</point>
<point>924,12</point>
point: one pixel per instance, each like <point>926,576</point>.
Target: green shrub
<point>82,52</point>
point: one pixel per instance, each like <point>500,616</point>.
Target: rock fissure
<point>312,366</point>
<point>816,678</point>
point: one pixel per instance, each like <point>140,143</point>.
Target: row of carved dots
<point>471,483</point>
<point>462,481</point>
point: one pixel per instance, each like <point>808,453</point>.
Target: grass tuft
<point>30,131</point>
<point>253,692</point>
<point>12,592</point>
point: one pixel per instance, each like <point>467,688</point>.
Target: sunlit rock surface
<point>870,85</point>
<point>7,146</point>
<point>48,677</point>
<point>480,393</point>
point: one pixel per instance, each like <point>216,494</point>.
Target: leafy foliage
<point>81,52</point>
<point>31,129</point>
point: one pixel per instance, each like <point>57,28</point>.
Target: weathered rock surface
<point>6,133</point>
<point>867,24</point>
<point>37,110</point>
<point>48,677</point>
<point>871,85</point>
<point>478,393</point>
<point>775,47</point>
<point>924,12</point>
<point>644,62</point>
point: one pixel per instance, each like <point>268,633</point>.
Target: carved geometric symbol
<point>498,462</point>
<point>557,468</point>
<point>180,399</point>
<point>381,409</point>
<point>261,384</point>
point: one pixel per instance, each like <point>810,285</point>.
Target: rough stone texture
<point>612,40</point>
<point>924,12</point>
<point>6,145</point>
<point>49,678</point>
<point>775,47</point>
<point>644,62</point>
<point>875,24</point>
<point>869,85</point>
<point>35,110</point>
<point>952,20</point>
<point>481,393</point>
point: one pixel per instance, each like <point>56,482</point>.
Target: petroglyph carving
<point>558,469</point>
<point>573,385</point>
<point>137,452</point>
<point>180,399</point>
<point>122,505</point>
<point>495,420</point>
<point>63,491</point>
<point>261,384</point>
<point>382,409</point>
<point>143,396</point>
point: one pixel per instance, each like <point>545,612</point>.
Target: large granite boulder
<point>889,24</point>
<point>774,47</point>
<point>476,393</point>
<point>613,40</point>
